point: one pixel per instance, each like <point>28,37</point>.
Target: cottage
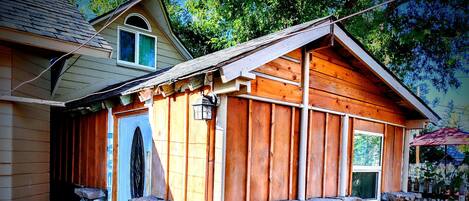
<point>300,113</point>
<point>33,35</point>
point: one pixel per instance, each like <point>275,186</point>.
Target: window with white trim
<point>135,47</point>
<point>366,164</point>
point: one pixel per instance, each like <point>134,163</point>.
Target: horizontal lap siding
<point>24,128</point>
<point>261,151</point>
<point>78,152</point>
<point>89,74</point>
<point>336,85</point>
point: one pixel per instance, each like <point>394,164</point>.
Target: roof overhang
<point>43,42</point>
<point>243,66</point>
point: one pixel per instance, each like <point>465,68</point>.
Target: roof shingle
<point>56,19</point>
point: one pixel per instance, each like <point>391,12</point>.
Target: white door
<point>134,157</point>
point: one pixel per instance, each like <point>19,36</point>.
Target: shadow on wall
<point>159,186</point>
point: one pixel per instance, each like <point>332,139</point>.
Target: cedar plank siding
<point>78,153</point>
<point>334,85</point>
<point>89,74</point>
<point>24,138</point>
<point>181,149</point>
<point>250,139</point>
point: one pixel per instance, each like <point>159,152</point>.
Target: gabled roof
<point>227,56</point>
<point>158,11</point>
<point>56,20</point>
<point>239,60</point>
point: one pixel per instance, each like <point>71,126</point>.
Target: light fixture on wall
<point>203,106</point>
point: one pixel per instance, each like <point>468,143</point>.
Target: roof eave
<point>44,42</point>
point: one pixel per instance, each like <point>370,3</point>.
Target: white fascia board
<point>391,81</point>
<point>255,60</point>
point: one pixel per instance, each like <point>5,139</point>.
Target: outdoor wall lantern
<point>203,106</point>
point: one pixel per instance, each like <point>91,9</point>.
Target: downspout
<point>305,61</point>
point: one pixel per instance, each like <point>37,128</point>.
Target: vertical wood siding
<point>257,132</point>
<point>392,152</point>
<point>261,151</point>
<point>182,146</point>
<point>78,149</point>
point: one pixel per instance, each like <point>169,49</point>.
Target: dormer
<point>142,42</point>
<point>136,44</point>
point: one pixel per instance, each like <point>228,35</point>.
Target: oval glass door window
<point>137,165</point>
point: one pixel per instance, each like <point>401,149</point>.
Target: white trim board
<point>276,50</point>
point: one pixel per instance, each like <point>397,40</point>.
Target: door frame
<point>118,114</point>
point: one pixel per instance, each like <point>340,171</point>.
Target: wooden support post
<point>405,159</point>
<point>383,155</point>
<point>248,164</point>
<point>302,156</point>
<point>344,156</point>
<point>271,147</point>
<point>292,152</point>
<point>186,119</point>
<point>308,155</point>
<point>324,170</point>
<point>168,151</point>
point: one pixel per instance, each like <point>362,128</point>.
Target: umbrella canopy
<point>443,136</point>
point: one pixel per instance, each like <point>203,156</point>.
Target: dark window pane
<point>127,46</point>
<point>364,184</point>
<point>137,21</point>
<point>367,150</point>
<point>147,51</point>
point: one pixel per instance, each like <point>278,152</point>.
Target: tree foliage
<point>99,7</point>
<point>421,41</point>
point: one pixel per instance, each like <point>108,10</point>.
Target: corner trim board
<point>254,60</point>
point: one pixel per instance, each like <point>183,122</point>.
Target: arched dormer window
<point>136,44</point>
<point>138,21</point>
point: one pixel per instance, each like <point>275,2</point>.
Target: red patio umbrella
<point>443,136</point>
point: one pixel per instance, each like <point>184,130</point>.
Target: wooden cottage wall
<point>392,152</point>
<point>78,152</point>
<point>261,151</point>
<point>183,149</point>
<point>252,131</point>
